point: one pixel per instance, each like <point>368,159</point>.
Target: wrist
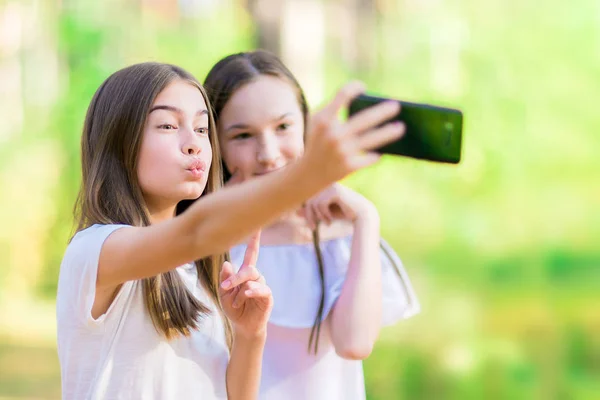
<point>251,338</point>
<point>367,216</point>
<point>304,174</point>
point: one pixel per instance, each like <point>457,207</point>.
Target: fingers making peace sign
<point>245,296</point>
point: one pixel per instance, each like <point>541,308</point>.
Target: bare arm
<point>215,222</point>
<point>244,369</point>
<point>211,225</point>
<point>247,302</point>
<point>356,316</point>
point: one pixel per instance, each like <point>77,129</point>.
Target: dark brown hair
<point>110,192</point>
<point>230,74</point>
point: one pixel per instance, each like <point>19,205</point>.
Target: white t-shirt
<point>121,355</point>
<point>289,371</point>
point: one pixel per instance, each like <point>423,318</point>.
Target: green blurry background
<point>503,249</point>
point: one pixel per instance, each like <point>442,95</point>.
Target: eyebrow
<point>245,126</point>
<point>176,110</point>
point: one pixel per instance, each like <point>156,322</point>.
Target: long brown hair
<point>227,76</point>
<point>110,192</point>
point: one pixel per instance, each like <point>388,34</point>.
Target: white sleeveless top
<point>120,355</point>
<point>289,371</point>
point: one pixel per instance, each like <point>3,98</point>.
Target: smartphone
<point>432,133</point>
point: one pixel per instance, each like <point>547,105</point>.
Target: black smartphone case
<point>432,133</point>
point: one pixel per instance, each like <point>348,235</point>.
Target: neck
<point>285,232</point>
<point>159,214</point>
<point>290,228</point>
<point>291,220</point>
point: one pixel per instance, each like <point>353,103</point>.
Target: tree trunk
<point>267,17</point>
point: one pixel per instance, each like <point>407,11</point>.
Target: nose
<point>191,145</point>
<point>268,151</point>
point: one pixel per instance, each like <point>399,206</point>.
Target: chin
<point>193,195</point>
<point>192,192</point>
<point>263,173</point>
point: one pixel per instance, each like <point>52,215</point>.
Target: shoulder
<point>93,235</point>
<point>78,271</point>
<point>86,244</point>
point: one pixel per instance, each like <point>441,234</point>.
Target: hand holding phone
<point>432,133</point>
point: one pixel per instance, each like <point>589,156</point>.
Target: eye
<point>242,136</point>
<point>167,127</point>
<point>283,126</point>
<point>202,131</point>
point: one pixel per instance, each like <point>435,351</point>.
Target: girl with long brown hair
<point>334,281</point>
<point>147,306</point>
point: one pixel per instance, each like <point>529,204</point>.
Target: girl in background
<point>334,281</point>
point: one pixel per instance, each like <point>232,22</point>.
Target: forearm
<point>224,218</point>
<point>209,226</point>
<point>356,317</point>
<point>244,369</point>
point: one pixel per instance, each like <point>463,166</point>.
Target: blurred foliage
<point>503,248</point>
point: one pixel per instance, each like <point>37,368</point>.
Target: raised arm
<point>215,222</point>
